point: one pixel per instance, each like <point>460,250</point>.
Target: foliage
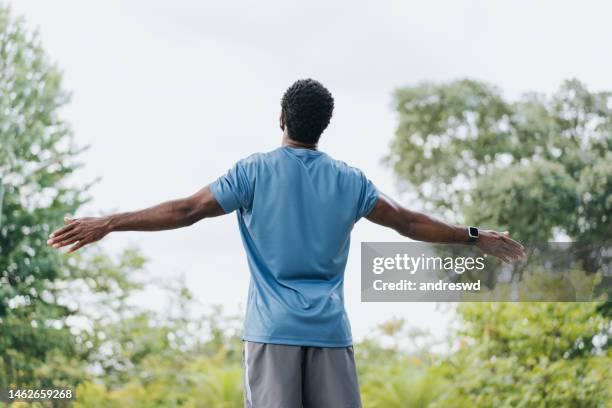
<point>389,377</point>
<point>531,355</point>
<point>538,167</point>
<point>36,157</point>
<point>203,382</point>
<point>44,335</point>
<point>168,362</point>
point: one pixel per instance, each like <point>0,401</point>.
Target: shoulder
<point>256,158</point>
<point>251,160</point>
<point>255,161</point>
<point>346,169</point>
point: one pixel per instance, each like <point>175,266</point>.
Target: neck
<point>287,141</point>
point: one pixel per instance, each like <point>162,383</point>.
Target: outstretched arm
<point>422,227</point>
<point>169,215</point>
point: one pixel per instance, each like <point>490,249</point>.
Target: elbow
<point>188,221</point>
<point>190,217</point>
<point>194,212</point>
<point>185,214</point>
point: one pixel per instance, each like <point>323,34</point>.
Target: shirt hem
<point>298,342</point>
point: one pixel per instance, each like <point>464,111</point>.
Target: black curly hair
<point>307,106</point>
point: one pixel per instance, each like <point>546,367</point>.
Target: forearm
<point>422,227</point>
<point>169,215</point>
<point>79,232</point>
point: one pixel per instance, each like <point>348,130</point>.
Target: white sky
<point>170,94</point>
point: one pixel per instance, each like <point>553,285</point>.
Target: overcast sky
<point>170,94</point>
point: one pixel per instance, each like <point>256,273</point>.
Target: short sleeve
<point>367,197</point>
<point>233,190</point>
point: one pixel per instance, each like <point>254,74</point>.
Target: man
<point>296,207</point>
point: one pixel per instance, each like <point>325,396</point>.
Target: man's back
<point>296,208</point>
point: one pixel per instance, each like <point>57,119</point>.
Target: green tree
<point>70,321</point>
<point>36,157</point>
<point>528,355</point>
<point>40,290</point>
<point>539,168</point>
<point>167,359</point>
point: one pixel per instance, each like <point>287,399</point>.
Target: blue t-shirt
<point>296,209</point>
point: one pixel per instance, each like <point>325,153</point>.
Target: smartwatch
<point>472,234</point>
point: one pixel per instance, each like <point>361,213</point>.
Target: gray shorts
<point>281,376</point>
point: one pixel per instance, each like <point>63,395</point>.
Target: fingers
<point>77,246</point>
<point>66,239</point>
<point>78,233</point>
<point>516,248</point>
<point>515,252</point>
<point>63,234</point>
<point>501,256</point>
<point>506,237</point>
<point>506,255</point>
<point>511,253</point>
<point>510,249</point>
<point>505,252</point>
<point>501,246</point>
<point>59,232</point>
<point>67,235</point>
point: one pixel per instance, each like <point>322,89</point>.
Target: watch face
<point>473,232</point>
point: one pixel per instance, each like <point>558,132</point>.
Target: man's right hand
<point>500,245</point>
